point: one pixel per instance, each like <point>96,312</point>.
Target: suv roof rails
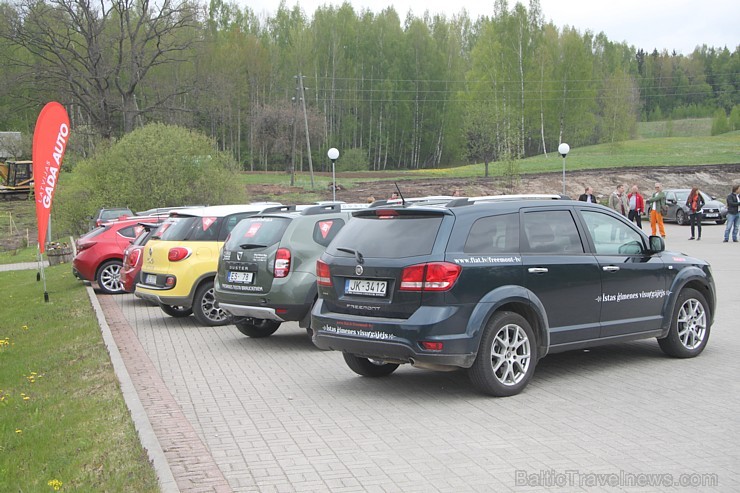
<point>498,198</point>
<point>321,209</point>
<point>279,208</point>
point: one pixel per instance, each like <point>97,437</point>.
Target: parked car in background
<point>109,214</point>
<point>180,260</point>
<point>267,271</point>
<point>493,285</point>
<point>713,209</point>
<point>132,256</point>
<point>100,252</point>
<point>164,211</point>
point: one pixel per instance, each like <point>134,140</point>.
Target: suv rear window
<point>388,236</point>
<point>325,231</point>
<point>257,231</point>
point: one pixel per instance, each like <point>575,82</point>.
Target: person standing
<point>637,206</point>
<point>618,201</point>
<point>657,205</point>
<point>695,202</point>
<point>588,196</point>
<point>733,218</point>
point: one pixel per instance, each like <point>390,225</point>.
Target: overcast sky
<point>663,24</point>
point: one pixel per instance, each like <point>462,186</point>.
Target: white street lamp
<point>563,150</point>
<point>333,155</point>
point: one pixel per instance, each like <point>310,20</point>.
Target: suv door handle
<point>610,268</point>
<point>537,270</point>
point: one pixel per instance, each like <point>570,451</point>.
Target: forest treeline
<point>422,91</point>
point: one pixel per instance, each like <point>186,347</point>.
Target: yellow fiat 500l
<point>181,259</point>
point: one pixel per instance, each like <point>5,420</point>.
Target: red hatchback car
<point>132,257</point>
<point>100,252</point>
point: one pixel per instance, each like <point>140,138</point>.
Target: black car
<point>494,285</point>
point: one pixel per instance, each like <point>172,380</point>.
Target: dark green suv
<point>267,270</point>
<point>494,285</point>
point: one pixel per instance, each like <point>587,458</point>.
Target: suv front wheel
<point>689,330</point>
<point>256,327</point>
<point>506,357</point>
<point>206,309</point>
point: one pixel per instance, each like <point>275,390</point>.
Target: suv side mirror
<point>657,244</point>
<point>671,201</point>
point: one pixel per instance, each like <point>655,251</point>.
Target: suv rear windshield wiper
<point>250,246</point>
<point>356,253</point>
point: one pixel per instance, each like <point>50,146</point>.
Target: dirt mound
<point>716,180</point>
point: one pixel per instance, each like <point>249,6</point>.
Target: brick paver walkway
<point>277,414</point>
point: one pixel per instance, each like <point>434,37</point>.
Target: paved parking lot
<point>276,414</point>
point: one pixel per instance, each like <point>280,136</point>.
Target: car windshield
<point>257,232</point>
<point>384,237</point>
<point>190,228</point>
<point>114,214</point>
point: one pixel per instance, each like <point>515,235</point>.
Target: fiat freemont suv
<point>494,284</point>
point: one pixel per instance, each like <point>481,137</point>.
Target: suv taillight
<point>434,276</point>
<point>282,263</point>
<point>178,253</point>
<point>323,275</point>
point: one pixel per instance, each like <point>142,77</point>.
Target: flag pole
<point>50,139</point>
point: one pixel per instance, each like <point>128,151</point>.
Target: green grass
<point>18,255</point>
<point>690,127</point>
<point>666,151</point>
<point>62,416</point>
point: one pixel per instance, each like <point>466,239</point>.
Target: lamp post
<point>563,150</point>
<point>333,155</point>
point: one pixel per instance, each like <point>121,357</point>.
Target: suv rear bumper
<point>288,300</point>
<point>287,312</point>
<point>378,339</point>
<point>260,312</point>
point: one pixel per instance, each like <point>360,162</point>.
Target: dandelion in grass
<point>18,431</point>
<point>56,484</point>
<point>24,397</point>
<point>25,327</point>
<point>4,342</point>
<point>32,377</point>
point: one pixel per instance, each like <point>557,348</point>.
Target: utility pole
<point>292,150</point>
<point>305,120</point>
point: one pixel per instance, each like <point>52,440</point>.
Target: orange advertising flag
<point>49,143</point>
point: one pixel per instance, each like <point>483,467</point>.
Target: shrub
<point>734,122</point>
<point>155,166</point>
<point>720,123</point>
<point>352,160</point>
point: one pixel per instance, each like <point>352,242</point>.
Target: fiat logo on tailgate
<point>359,270</point>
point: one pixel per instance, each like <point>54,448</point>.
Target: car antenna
<point>403,201</point>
